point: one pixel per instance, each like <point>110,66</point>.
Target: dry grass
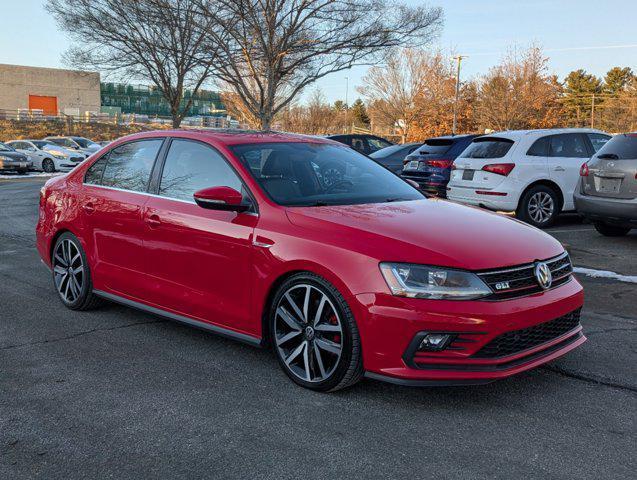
<point>16,130</point>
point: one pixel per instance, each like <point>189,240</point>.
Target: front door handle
<point>153,221</point>
<point>558,169</point>
<point>89,208</point>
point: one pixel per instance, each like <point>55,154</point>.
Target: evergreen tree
<point>359,114</point>
<point>579,88</point>
<point>617,80</point>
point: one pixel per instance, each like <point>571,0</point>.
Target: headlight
<point>58,155</point>
<point>436,283</point>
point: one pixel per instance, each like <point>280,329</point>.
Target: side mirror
<point>220,198</point>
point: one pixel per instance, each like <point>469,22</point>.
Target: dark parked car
<point>430,165</point>
<point>366,144</point>
<point>607,190</point>
<point>393,157</point>
<point>12,161</point>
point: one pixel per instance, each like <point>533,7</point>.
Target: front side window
<point>129,165</point>
<point>318,174</point>
<point>95,172</point>
<point>568,145</point>
<point>598,140</point>
<point>488,147</point>
<point>191,166</point>
<point>540,147</point>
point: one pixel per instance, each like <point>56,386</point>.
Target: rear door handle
<point>89,208</point>
<point>153,221</point>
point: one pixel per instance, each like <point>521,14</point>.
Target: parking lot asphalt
<point>116,393</point>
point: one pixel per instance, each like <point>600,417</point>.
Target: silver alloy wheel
<point>68,270</point>
<point>541,207</point>
<point>308,333</point>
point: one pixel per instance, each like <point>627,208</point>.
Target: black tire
<point>532,198</point>
<point>85,298</point>
<point>348,368</point>
<point>611,230</point>
<point>48,166</point>
<point>22,172</point>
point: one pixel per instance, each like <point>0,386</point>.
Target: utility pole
<point>593,112</point>
<point>458,59</point>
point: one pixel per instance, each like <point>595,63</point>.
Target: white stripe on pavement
<point>589,272</point>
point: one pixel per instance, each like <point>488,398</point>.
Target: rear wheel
<point>539,206</point>
<point>71,274</point>
<point>48,166</point>
<point>314,335</point>
<point>611,230</point>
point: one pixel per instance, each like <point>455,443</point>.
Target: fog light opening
<point>434,342</point>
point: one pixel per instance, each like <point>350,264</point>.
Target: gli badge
<point>543,275</point>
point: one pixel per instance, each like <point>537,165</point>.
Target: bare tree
<point>393,90</point>
<point>158,41</point>
<point>270,50</point>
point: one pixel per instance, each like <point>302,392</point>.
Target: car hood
<point>432,231</point>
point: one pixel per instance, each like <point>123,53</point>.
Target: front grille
<point>520,281</point>
<point>519,340</point>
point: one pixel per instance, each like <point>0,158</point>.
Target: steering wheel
<point>337,184</point>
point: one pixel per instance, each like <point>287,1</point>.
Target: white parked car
<point>84,145</point>
<point>47,156</point>
<point>530,172</point>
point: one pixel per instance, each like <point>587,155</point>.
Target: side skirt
<point>224,332</point>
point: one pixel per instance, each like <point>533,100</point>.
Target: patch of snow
<point>590,272</point>
<point>30,175</point>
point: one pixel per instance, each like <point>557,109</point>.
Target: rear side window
<point>436,146</point>
<point>568,145</point>
<point>598,140</point>
<point>488,147</point>
<point>191,166</point>
<point>129,165</point>
<point>377,143</point>
<point>540,148</point>
<point>620,147</point>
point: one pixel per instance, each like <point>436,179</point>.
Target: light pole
<point>458,58</point>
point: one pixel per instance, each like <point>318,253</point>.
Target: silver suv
<point>607,189</point>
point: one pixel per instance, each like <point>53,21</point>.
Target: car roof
<point>233,137</point>
<point>518,134</point>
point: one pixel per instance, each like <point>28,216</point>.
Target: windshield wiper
<point>396,199</point>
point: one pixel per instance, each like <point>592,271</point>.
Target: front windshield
<point>41,144</point>
<point>318,174</point>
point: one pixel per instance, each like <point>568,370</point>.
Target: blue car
<point>430,165</point>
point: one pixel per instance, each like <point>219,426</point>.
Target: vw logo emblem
<point>543,275</point>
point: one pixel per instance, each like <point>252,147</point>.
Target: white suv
<point>530,172</point>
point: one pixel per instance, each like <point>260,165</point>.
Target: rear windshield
<point>488,147</point>
<point>387,151</point>
<point>436,146</point>
<point>620,147</point>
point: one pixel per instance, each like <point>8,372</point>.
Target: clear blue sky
<point>481,29</point>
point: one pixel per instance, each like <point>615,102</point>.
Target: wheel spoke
<point>58,269</point>
<point>294,306</point>
<point>295,353</point>
<point>306,362</point>
<point>328,327</point>
<point>306,303</point>
<point>319,360</point>
<point>287,318</point>
<point>287,337</point>
<point>77,286</point>
<point>328,346</point>
<point>61,260</point>
<point>319,310</point>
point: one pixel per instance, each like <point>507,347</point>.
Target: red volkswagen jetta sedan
<point>308,246</point>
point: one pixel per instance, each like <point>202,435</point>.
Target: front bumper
<point>389,325</point>
<point>608,210</point>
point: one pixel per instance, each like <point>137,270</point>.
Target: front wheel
<point>48,166</point>
<point>539,206</point>
<point>71,274</point>
<point>314,335</point>
<point>611,230</point>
